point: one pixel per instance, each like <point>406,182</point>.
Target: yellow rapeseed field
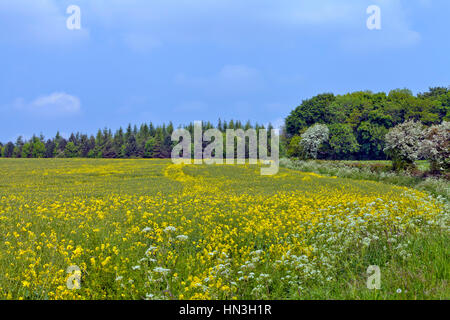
<point>149,229</point>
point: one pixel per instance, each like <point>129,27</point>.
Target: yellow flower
<point>105,262</point>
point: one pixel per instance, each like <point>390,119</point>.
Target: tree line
<point>145,141</point>
<point>357,123</point>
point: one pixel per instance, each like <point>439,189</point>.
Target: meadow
<point>149,229</point>
<point>381,171</point>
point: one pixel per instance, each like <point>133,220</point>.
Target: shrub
<point>403,144</point>
<point>294,148</point>
<point>437,187</point>
<point>313,138</point>
<point>436,147</point>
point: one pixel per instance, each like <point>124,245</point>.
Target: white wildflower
<point>161,270</point>
<point>182,237</point>
<point>170,229</point>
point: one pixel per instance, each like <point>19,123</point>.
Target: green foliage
<point>8,150</point>
<point>108,150</point>
<point>294,149</point>
<point>342,141</point>
<point>131,147</point>
<point>71,151</point>
<point>146,141</point>
<point>369,115</point>
<point>311,111</point>
<point>150,148</point>
<point>371,137</point>
<point>50,147</point>
<point>27,150</point>
<point>38,149</point>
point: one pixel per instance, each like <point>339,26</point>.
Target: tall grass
<point>420,271</point>
<point>435,186</point>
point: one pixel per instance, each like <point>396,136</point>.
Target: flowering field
<point>148,229</point>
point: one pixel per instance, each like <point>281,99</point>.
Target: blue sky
<point>136,61</point>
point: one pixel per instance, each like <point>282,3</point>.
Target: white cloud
<point>58,104</point>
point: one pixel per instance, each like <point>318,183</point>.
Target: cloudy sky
<point>184,60</point>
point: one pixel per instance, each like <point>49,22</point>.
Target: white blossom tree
<point>312,139</point>
<point>436,146</point>
<point>403,144</point>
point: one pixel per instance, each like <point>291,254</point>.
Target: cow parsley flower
<point>170,229</point>
<point>182,237</point>
<point>161,270</point>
